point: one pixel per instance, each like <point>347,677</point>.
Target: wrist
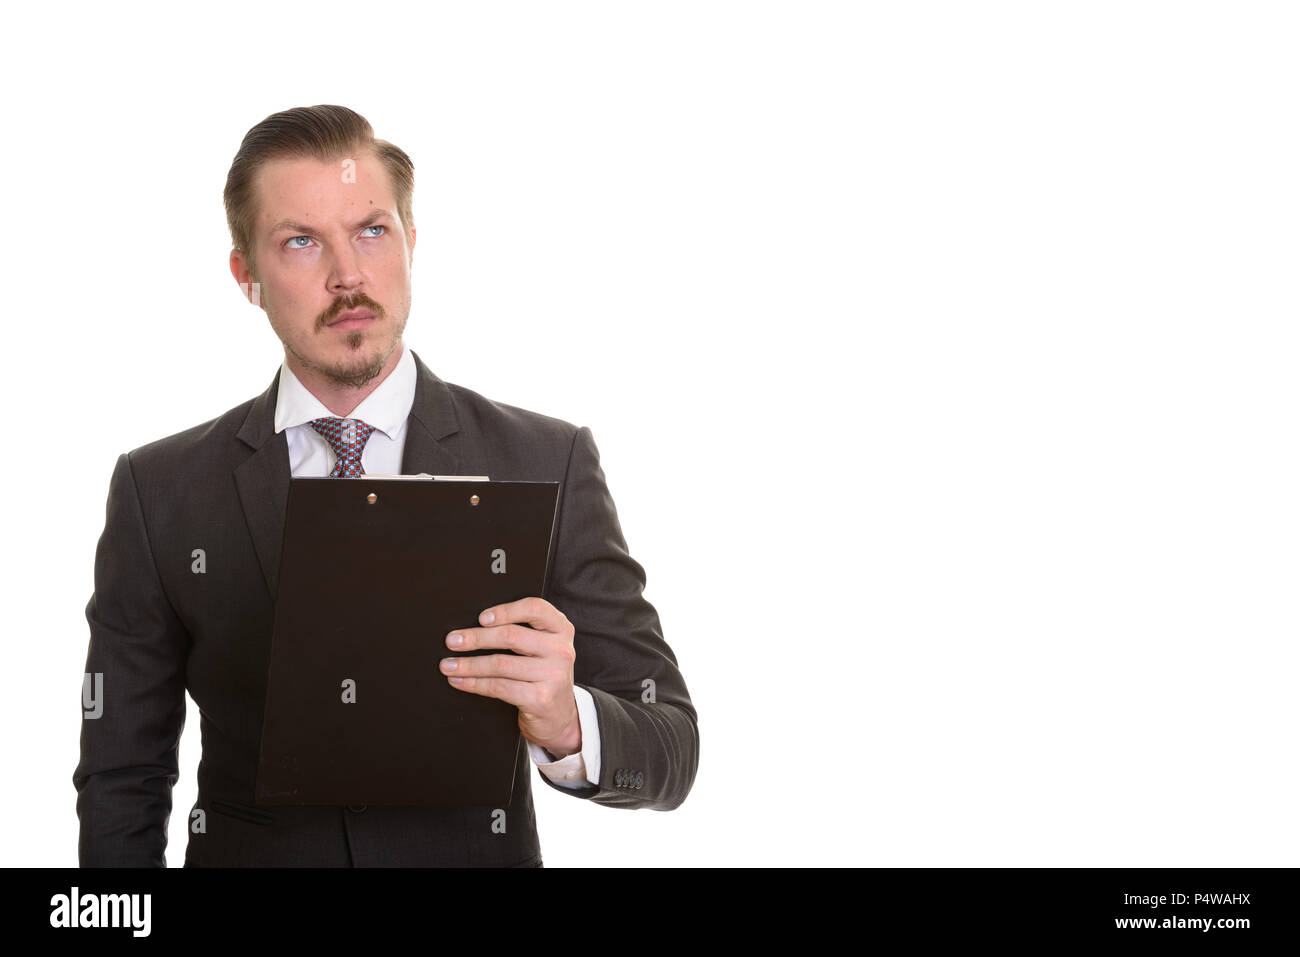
<point>568,743</point>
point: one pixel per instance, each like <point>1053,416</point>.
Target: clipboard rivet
<point>372,498</point>
<point>473,500</point>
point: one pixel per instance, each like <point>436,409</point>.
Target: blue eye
<point>290,241</point>
<point>374,227</point>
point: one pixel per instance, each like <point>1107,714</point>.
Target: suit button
<point>640,780</point>
<point>356,808</point>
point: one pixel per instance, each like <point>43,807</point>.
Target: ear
<point>240,269</point>
<point>411,251</point>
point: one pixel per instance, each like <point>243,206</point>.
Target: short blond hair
<point>320,132</point>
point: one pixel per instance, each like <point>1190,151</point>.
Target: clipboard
<point>374,573</point>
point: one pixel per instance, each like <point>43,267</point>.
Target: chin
<point>359,366</point>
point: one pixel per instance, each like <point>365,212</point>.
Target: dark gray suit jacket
<point>158,629</point>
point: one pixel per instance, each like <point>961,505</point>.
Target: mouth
<point>352,319</point>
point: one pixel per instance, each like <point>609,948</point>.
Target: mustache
<point>343,303</point>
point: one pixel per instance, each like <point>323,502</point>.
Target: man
<point>186,569</point>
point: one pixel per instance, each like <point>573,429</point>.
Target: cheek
<point>291,287</point>
<point>397,274</point>
<point>391,261</point>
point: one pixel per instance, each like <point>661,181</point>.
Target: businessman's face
<point>333,265</point>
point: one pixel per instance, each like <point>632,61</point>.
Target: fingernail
<point>449,664</point>
<point>456,640</point>
<point>488,617</point>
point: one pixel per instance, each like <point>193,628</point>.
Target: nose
<point>345,271</point>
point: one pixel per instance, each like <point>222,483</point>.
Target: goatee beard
<point>356,378</point>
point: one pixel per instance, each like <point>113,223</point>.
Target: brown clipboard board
<point>374,573</point>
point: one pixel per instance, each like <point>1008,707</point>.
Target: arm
<point>649,737</point>
<point>129,752</point>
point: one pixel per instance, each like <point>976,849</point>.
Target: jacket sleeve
<point>138,647</point>
<point>649,737</point>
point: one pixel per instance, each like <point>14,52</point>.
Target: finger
<point>533,611</point>
<point>517,693</point>
<point>516,638</point>
<point>497,666</point>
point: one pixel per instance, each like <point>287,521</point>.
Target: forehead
<point>306,189</point>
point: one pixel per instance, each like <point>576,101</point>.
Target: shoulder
<point>448,407</point>
<point>200,447</point>
<point>485,418</point>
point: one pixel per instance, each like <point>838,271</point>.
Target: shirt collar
<point>386,408</point>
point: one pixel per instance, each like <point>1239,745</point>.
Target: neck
<point>341,399</point>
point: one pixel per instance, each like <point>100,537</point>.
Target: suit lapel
<point>262,480</point>
<point>432,420</point>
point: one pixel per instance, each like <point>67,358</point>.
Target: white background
<point>941,356</point>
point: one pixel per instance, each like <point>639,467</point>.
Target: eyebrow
<point>300,228</point>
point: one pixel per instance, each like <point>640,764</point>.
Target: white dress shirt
<point>386,409</point>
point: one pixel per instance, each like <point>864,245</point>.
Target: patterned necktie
<point>347,437</point>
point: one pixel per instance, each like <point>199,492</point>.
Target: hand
<point>538,679</point>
